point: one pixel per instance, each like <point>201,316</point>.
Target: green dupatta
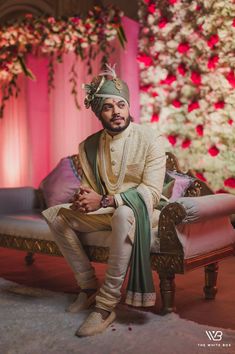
<point>140,289</point>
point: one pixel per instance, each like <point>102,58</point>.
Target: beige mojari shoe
<point>95,324</point>
<point>83,302</point>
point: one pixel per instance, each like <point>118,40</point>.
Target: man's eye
<point>121,105</point>
<point>106,108</point>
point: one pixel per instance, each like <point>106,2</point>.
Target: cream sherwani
<point>140,152</point>
<point>145,167</point>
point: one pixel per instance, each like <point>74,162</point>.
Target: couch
<point>193,231</point>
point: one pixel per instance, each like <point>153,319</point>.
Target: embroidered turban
<point>106,85</point>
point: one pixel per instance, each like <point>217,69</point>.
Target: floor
<point>54,274</point>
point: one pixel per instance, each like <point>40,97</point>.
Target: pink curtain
<point>38,130</point>
<point>14,140</point>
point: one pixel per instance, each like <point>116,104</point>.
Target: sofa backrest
<point>13,200</point>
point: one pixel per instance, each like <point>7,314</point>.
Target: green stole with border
<point>140,288</point>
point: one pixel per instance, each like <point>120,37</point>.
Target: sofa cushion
<point>182,183</point>
<point>27,225</point>
<point>33,226</point>
<point>61,183</point>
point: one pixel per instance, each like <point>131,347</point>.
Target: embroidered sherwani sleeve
<point>154,170</point>
<point>118,200</point>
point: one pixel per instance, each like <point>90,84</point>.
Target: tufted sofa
<point>194,231</point>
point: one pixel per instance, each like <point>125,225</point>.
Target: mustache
<point>117,116</point>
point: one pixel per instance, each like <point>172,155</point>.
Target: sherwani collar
<point>124,134</point>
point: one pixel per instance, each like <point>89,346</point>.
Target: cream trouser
<point>120,222</point>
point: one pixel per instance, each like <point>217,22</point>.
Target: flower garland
<point>187,68</point>
<point>54,38</point>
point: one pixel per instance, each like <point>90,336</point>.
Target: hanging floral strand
<point>73,81</point>
<point>55,37</point>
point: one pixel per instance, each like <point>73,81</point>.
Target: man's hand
<point>86,200</point>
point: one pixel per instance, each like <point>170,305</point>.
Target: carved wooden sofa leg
<point>211,273</point>
<point>167,289</point>
<point>29,259</point>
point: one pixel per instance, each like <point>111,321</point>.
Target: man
<point>123,168</point>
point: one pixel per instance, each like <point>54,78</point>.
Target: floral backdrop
<point>187,75</point>
<point>55,37</point>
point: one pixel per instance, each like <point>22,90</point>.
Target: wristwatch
<point>104,203</point>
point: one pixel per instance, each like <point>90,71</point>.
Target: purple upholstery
<point>182,183</point>
<point>61,183</point>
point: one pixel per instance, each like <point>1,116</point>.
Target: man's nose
<point>116,109</point>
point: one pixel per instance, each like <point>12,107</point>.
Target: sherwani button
<point>113,163</point>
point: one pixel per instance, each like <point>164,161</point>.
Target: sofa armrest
<point>198,187</point>
<point>13,200</point>
<point>206,207</point>
<point>196,225</point>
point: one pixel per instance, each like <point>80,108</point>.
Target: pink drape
<point>38,130</point>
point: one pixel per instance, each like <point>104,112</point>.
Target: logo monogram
<point>215,335</point>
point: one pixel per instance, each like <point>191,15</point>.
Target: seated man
<point>123,167</point>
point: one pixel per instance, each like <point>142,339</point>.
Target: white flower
<point>151,19</point>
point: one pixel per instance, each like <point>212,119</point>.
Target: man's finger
<point>74,207</point>
<point>81,198</point>
<point>82,210</point>
<point>86,189</point>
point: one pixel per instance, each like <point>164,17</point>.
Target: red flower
<point>29,16</point>
<point>221,191</point>
<point>151,8</point>
<point>162,22</point>
<point>192,106</point>
<point>154,94</point>
<point>212,62</point>
<point>154,118</point>
<point>198,8</point>
<point>199,28</point>
<point>200,176</point>
<point>75,20</point>
<point>234,22</point>
<point>219,105</point>
<point>186,143</point>
<point>143,58</point>
<point>231,78</point>
<point>183,47</point>
<point>199,129</point>
<point>196,78</point>
<point>151,39</point>
<point>156,56</point>
<point>213,151</point>
<point>172,139</point>
<point>147,1</point>
<point>213,40</point>
<point>176,103</point>
<point>230,121</point>
<point>182,69</point>
<point>168,80</point>
<point>87,26</point>
<point>145,88</point>
<point>230,182</point>
<point>172,2</point>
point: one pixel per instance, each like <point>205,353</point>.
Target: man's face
<point>115,115</point>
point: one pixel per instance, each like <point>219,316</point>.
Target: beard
<point>112,129</point>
